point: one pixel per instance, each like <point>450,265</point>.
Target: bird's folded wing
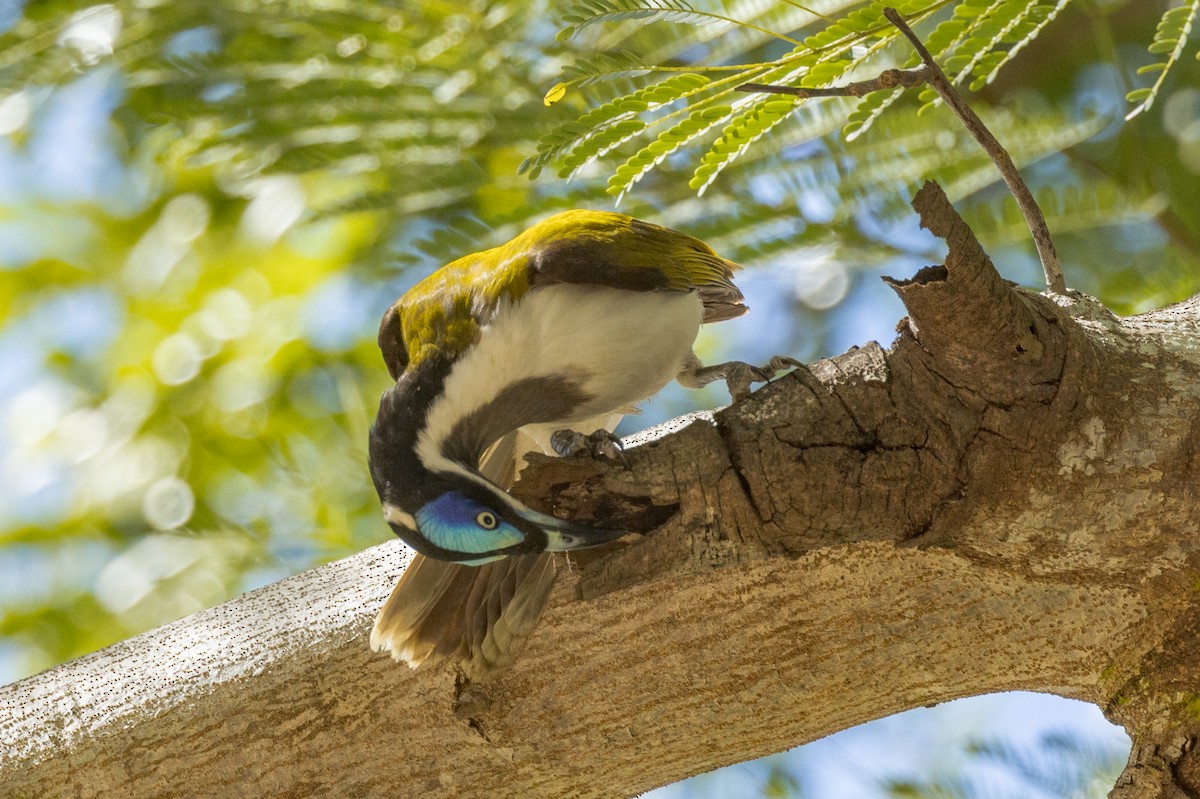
<point>624,253</point>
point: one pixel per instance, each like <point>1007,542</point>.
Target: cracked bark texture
<point>1005,499</point>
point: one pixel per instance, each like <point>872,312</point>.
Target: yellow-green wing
<point>445,311</point>
<point>607,249</point>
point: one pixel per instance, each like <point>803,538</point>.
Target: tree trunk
<point>1007,499</point>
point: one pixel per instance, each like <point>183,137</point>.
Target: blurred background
<point>206,207</point>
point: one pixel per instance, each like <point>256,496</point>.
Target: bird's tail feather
<point>510,603</point>
<point>479,615</point>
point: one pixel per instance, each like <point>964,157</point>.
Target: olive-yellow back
<point>445,311</point>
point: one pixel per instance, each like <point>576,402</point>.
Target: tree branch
<point>997,502</point>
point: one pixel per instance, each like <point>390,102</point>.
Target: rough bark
<point>1005,499</point>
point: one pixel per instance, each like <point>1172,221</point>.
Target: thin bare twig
<point>1008,170</point>
<point>888,79</point>
<point>931,74</point>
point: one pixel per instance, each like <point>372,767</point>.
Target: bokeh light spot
<point>14,112</point>
<point>277,205</point>
<point>240,384</point>
<point>351,45</point>
<point>168,503</point>
<point>177,359</point>
<point>821,281</point>
<point>82,434</point>
<point>91,33</point>
<point>226,315</point>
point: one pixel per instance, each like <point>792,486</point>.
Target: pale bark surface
<point>1005,499</point>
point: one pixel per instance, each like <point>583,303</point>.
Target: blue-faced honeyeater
<point>566,326</point>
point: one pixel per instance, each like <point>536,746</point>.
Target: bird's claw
<point>739,376</point>
<point>599,445</point>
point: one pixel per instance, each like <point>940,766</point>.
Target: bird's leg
<point>737,375</point>
<point>600,444</point>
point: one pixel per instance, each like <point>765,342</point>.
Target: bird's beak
<point>562,535</point>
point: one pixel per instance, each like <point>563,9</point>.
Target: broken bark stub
<point>990,336</point>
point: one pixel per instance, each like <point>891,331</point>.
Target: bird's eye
<point>486,519</point>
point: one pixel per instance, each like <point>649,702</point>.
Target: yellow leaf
<point>556,93</point>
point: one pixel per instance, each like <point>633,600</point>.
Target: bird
<point>563,328</point>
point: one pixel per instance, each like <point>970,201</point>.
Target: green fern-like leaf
<point>606,65</point>
<point>738,135</point>
<point>823,58</point>
<point>603,141</point>
<point>725,44</point>
<point>699,122</point>
<point>1170,38</point>
<point>855,26</point>
<point>982,36</point>
<point>977,40</point>
<point>868,110</point>
<point>902,153</point>
<point>1026,28</point>
<point>566,138</point>
<point>947,34</point>
<point>987,32</point>
<point>591,12</point>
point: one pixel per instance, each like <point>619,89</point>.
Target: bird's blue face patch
<point>459,524</point>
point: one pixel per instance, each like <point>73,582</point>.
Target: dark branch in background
<point>932,75</point>
<point>888,79</point>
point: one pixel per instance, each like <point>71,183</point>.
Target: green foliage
<point>972,44</point>
<point>742,131</point>
<point>1079,208</point>
<point>1061,764</point>
<point>568,142</point>
<point>816,61</point>
<point>366,93</point>
<point>269,155</point>
<point>698,122</point>
<point>903,154</point>
<point>601,66</point>
<point>978,39</point>
<point>590,12</point>
<point>1170,38</point>
<point>982,37</point>
<point>869,109</point>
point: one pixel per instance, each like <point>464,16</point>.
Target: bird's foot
<point>599,445</point>
<point>738,376</point>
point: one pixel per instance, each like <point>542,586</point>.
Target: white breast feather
<point>622,346</point>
